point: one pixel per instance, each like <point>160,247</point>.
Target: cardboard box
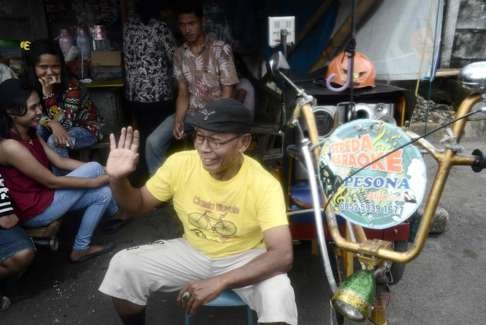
<point>106,58</point>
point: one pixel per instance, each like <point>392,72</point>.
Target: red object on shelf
<point>307,231</point>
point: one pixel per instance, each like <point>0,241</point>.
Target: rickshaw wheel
<point>397,269</point>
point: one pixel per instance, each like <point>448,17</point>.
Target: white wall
<point>402,38</point>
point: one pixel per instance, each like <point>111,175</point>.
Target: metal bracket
<point>373,245</point>
<point>302,99</point>
<point>306,99</point>
<point>449,140</point>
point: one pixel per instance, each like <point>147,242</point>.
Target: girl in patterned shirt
<point>70,119</point>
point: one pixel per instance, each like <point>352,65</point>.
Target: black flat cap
<point>223,115</point>
<point>13,93</point>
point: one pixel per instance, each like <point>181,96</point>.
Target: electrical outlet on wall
<point>276,25</point>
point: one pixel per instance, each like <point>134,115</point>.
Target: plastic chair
<point>227,298</point>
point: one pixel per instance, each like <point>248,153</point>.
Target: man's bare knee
<point>19,262</point>
<point>25,257</point>
<point>130,313</point>
<point>125,307</point>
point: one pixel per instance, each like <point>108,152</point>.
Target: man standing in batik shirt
<point>148,49</point>
<point>204,70</point>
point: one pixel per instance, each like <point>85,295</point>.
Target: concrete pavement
<point>444,285</point>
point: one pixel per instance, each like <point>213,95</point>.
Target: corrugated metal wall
<point>464,38</point>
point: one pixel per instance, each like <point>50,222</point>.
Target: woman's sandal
<point>106,249</point>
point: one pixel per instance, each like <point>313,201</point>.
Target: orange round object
<point>364,72</point>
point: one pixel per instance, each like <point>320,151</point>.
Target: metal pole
<point>317,215</point>
<point>283,41</point>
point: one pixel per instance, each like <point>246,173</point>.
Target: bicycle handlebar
<point>446,159</point>
<point>480,162</point>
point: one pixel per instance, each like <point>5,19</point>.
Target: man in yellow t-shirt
<point>236,233</point>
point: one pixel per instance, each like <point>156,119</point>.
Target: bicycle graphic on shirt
<point>206,223</point>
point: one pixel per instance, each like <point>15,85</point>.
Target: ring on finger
<point>185,297</point>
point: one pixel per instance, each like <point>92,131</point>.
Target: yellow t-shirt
<point>220,218</point>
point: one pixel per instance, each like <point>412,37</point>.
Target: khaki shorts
<point>169,265</point>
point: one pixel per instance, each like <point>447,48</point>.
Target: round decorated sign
<point>387,191</point>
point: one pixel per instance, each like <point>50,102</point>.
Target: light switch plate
<point>276,24</point>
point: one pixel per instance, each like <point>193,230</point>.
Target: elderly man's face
<point>220,152</point>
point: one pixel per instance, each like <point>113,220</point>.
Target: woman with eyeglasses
<point>70,119</point>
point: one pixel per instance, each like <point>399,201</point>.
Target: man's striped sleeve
<point>5,203</point>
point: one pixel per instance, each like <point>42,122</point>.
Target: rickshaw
<point>365,175</point>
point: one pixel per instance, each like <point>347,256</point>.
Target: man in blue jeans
<point>204,70</point>
<point>16,248</point>
<point>79,138</point>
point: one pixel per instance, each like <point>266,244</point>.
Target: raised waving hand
<point>123,157</point>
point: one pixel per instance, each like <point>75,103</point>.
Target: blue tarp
<point>248,22</point>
